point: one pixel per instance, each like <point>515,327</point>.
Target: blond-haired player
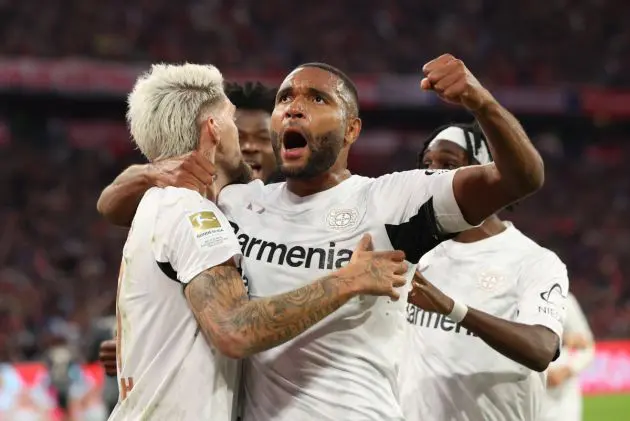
<point>183,314</point>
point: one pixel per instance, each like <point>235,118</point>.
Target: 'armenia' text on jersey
<point>345,367</point>
<point>450,373</point>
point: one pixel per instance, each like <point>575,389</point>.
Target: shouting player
<point>345,367</point>
<point>516,290</point>
<point>182,307</point>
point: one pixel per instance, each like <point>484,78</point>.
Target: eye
<point>283,99</point>
<point>319,99</point>
<point>451,165</point>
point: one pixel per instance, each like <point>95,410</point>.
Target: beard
<point>324,150</point>
<point>240,174</point>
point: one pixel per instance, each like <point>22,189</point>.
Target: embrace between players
<point>268,274</point>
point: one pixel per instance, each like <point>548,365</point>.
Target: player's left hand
<point>454,83</point>
<point>107,356</point>
<point>558,375</point>
<point>575,341</point>
<point>428,297</point>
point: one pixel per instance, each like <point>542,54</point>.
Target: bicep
<point>479,192</point>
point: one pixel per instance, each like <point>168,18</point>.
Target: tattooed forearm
<point>240,327</point>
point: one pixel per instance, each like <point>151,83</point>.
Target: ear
<point>209,138</point>
<point>353,130</point>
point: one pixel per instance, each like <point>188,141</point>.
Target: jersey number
<point>126,383</point>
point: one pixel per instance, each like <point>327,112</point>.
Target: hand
<point>376,272</point>
<point>107,356</point>
<point>429,298</point>
<point>558,375</point>
<point>575,341</point>
<point>454,83</point>
<point>192,171</point>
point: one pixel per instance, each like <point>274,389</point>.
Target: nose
<point>248,146</point>
<point>295,111</point>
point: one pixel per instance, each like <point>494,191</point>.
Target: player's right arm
<point>239,327</point>
<point>119,201</point>
<point>198,243</point>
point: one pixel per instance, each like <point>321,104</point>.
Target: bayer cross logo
<point>489,280</point>
<point>342,218</point>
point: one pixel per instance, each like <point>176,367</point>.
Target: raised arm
<point>119,201</point>
<point>239,327</point>
<point>517,170</point>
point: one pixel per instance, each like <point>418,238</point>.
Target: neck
<point>490,227</point>
<point>307,186</point>
<point>220,182</point>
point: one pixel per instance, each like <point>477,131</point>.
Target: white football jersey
<point>451,374</point>
<point>564,402</point>
<point>345,367</point>
<point>166,369</point>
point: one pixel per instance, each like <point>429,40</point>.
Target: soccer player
<point>563,401</point>
<point>345,367</point>
<point>484,362</point>
<point>254,104</point>
<point>183,314</point>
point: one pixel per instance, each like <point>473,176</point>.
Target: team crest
<point>489,280</point>
<point>340,219</point>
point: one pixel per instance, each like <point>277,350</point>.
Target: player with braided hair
<point>518,290</point>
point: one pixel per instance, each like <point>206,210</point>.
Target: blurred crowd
<point>555,42</point>
<point>60,260</point>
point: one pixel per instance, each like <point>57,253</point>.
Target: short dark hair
<point>347,82</point>
<point>251,96</point>
<point>472,128</point>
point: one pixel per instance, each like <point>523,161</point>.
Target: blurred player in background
<point>183,314</point>
<point>254,104</point>
<point>345,368</point>
<point>516,290</point>
<point>564,396</point>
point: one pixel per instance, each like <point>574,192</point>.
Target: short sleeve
<point>544,287</point>
<point>403,195</point>
<point>193,235</point>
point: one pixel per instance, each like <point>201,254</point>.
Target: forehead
<point>446,147</point>
<point>258,118</point>
<point>312,78</point>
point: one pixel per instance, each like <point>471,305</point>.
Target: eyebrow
<point>311,92</point>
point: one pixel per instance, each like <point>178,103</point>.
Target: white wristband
<point>459,312</point>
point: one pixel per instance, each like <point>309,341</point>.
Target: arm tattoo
<point>220,304</point>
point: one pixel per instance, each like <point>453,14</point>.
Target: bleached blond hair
<point>168,103</point>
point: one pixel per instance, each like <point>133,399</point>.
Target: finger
<point>437,62</point>
<point>425,84</point>
<point>446,82</point>
<point>394,295</point>
<point>204,163</point>
<point>365,243</point>
<point>443,71</point>
<point>393,255</point>
<point>398,281</point>
<point>191,167</point>
<point>400,268</point>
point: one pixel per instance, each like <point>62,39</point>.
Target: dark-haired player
<point>345,367</point>
<point>517,292</point>
<point>254,104</point>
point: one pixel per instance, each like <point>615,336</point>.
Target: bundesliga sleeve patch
<point>207,229</point>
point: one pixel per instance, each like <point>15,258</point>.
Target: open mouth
<point>254,165</point>
<point>293,140</point>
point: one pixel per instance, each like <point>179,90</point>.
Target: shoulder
<point>234,194</point>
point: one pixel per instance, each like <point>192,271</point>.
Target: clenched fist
<point>454,83</point>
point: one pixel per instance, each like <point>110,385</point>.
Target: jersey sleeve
<point>194,235</point>
<point>403,195</point>
<point>544,287</point>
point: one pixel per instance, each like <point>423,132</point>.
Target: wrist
<point>487,106</point>
<point>348,282</point>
